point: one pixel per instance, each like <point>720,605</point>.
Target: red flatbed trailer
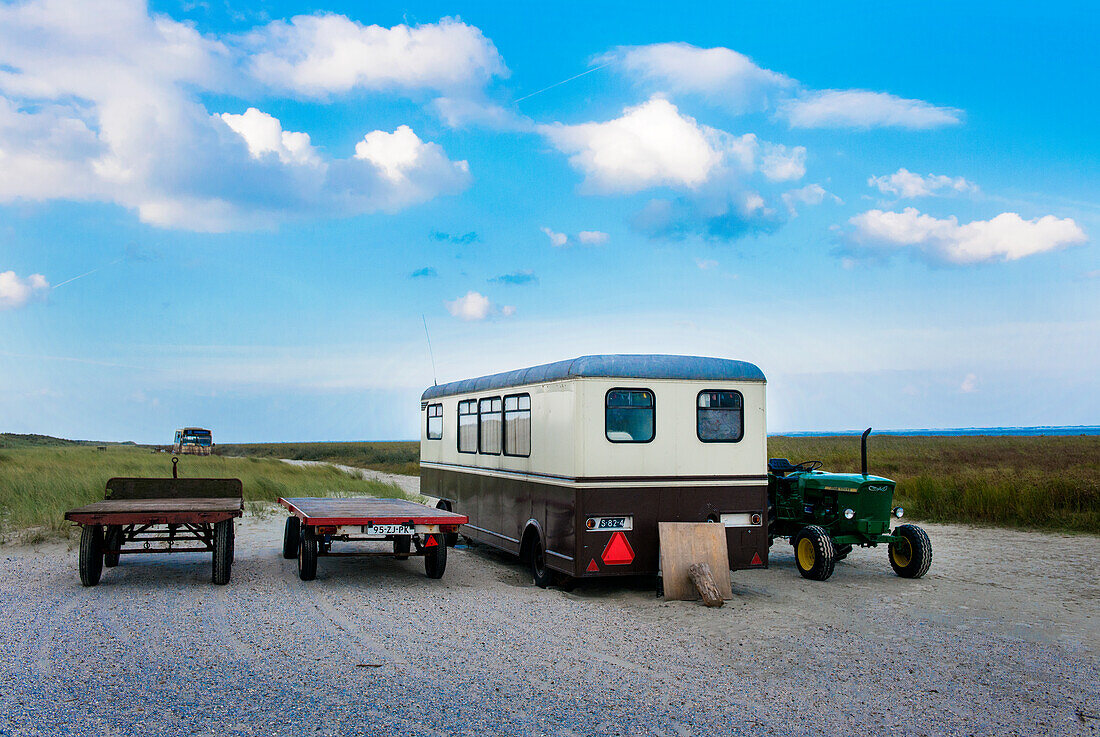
<point>161,514</point>
<point>415,530</point>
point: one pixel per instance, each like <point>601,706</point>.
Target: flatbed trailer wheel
<point>112,541</point>
<point>91,554</point>
<point>292,533</point>
<point>223,551</point>
<point>435,560</point>
<point>402,544</point>
<point>450,537</point>
<point>307,555</point>
<point>814,554</point>
<point>912,556</point>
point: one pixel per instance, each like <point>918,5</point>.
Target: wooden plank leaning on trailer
<point>165,515</point>
<point>414,529</point>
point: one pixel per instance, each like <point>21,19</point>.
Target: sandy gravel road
<point>1001,638</point>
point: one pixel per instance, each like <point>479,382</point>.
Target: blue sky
<point>891,209</point>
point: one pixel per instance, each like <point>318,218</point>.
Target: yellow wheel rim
<point>902,553</point>
<point>806,554</point>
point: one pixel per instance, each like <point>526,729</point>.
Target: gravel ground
<point>1001,638</point>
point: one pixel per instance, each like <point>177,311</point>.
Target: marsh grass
<point>1045,482</point>
<point>391,457</point>
<point>38,484</point>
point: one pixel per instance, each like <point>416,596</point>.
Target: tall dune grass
<point>1046,482</point>
<point>399,456</point>
<point>37,485</point>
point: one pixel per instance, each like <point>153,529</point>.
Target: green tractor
<point>824,515</point>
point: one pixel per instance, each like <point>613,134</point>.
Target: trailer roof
<point>622,366</point>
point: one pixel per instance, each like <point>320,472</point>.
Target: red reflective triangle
<point>430,542</point>
<point>592,567</point>
<point>756,560</point>
<point>618,551</point>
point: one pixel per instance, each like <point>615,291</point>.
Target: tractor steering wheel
<point>808,466</point>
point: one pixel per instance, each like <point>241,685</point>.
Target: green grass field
<point>391,457</point>
<point>1050,483</point>
<point>38,484</point>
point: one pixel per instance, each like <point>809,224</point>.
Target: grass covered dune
<point>1044,482</point>
<point>39,484</point>
<point>400,456</point>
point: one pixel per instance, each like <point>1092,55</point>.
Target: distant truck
<point>195,441</point>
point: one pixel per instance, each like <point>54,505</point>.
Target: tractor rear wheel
<point>911,557</point>
<point>814,554</point>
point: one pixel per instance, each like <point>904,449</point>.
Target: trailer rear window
<point>467,426</point>
<point>720,416</point>
<point>517,425</point>
<point>489,426</point>
<point>629,416</point>
<point>435,421</point>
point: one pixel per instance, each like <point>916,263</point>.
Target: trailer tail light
<point>326,530</point>
<point>756,520</point>
<point>449,528</point>
<point>618,551</point>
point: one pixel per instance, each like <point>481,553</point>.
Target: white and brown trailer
<point>572,465</point>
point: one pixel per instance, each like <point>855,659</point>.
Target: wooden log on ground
<point>704,581</point>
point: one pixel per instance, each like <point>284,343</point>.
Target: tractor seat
<point>781,466</point>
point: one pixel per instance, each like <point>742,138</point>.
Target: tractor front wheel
<point>814,554</point>
<point>911,557</point>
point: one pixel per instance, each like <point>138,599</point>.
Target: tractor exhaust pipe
<point>863,451</point>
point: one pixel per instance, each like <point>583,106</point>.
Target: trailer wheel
<point>912,556</point>
<point>450,537</point>
<point>112,541</point>
<point>292,533</point>
<point>435,561</point>
<point>842,552</point>
<point>542,575</point>
<point>307,555</point>
<point>814,554</point>
<point>223,551</point>
<point>402,544</point>
<point>91,554</point>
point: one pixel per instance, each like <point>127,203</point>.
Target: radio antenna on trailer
<point>435,380</point>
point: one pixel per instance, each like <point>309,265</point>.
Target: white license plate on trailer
<point>605,524</point>
<point>387,530</point>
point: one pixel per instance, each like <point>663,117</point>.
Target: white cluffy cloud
<point>730,79</point>
<point>101,102</point>
<point>1007,237</point>
<point>865,109</point>
<point>476,306</point>
<point>905,183</point>
<point>811,194</point>
<point>654,145</point>
<point>585,238</point>
<point>16,292</point>
<point>315,55</point>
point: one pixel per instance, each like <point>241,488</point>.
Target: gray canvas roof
<point>610,366</point>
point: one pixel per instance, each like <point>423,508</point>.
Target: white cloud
<point>508,310</point>
<point>718,73</point>
<point>781,164</point>
<point>464,112</point>
<point>1007,237</point>
<point>864,109</point>
<point>16,292</point>
<point>315,55</point>
<point>100,101</point>
<point>706,264</point>
<point>905,183</point>
<point>265,135</point>
<point>969,384</point>
<point>811,194</point>
<point>729,79</point>
<point>557,240</point>
<point>593,237</point>
<point>472,306</point>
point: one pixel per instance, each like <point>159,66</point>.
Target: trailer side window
<point>517,425</point>
<point>629,416</point>
<point>489,426</point>
<point>720,416</point>
<point>467,426</point>
<point>435,421</point>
